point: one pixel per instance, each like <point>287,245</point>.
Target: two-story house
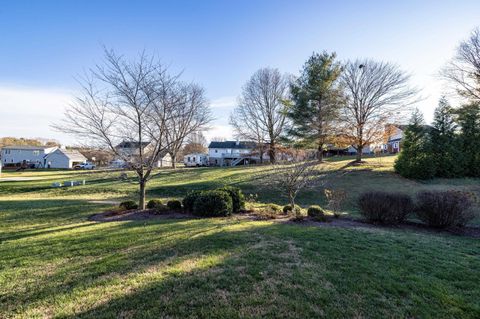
<point>232,153</point>
<point>26,155</point>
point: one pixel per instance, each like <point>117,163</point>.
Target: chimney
<point>237,143</point>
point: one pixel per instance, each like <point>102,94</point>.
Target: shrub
<point>444,209</point>
<point>213,203</point>
<point>317,213</point>
<point>385,208</point>
<point>269,211</point>
<point>128,204</point>
<point>154,204</point>
<point>174,205</point>
<point>238,199</point>
<point>189,200</point>
<point>288,209</point>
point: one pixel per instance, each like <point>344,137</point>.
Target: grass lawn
<point>56,263</point>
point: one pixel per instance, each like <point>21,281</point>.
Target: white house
<point>393,138</point>
<point>28,155</point>
<point>131,149</point>
<point>232,153</point>
<point>62,158</point>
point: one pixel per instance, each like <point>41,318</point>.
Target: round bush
<point>154,204</point>
<point>287,209</point>
<point>174,205</point>
<point>128,204</point>
<point>212,204</point>
<point>189,200</point>
<point>444,209</point>
<point>317,213</point>
<point>238,199</point>
<point>385,208</point>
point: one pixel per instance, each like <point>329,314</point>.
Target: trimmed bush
<point>238,199</point>
<point>174,205</point>
<point>154,204</point>
<point>128,204</point>
<point>444,209</point>
<point>317,213</point>
<point>189,200</point>
<point>212,204</point>
<point>385,208</point>
<point>287,209</point>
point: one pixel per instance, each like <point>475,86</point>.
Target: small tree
<point>444,141</point>
<point>316,102</point>
<point>290,179</point>
<point>414,160</point>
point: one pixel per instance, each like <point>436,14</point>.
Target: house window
<point>188,159</point>
<point>36,153</point>
<point>216,151</point>
<point>194,159</point>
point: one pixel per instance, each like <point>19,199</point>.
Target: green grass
<point>55,263</point>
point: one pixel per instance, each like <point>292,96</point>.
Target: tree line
<point>329,103</point>
<point>450,146</point>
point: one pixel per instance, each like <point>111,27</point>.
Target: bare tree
<point>260,115</point>
<point>464,69</point>
<point>377,93</point>
<point>290,178</point>
<point>134,102</point>
<point>191,115</point>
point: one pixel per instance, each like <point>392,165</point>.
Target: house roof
<point>26,147</point>
<point>73,155</point>
<point>233,144</point>
<point>131,144</point>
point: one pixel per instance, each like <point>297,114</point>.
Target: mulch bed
<point>342,222</point>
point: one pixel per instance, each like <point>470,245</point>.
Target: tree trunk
<point>359,153</point>
<point>141,198</point>
<point>320,153</point>
<point>271,152</point>
<point>174,161</point>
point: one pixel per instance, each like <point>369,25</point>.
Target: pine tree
<point>316,101</point>
<point>414,161</point>
<point>444,144</point>
<point>469,121</point>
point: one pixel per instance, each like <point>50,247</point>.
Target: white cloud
<point>224,102</point>
<point>29,112</point>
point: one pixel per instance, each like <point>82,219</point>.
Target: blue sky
<point>219,44</point>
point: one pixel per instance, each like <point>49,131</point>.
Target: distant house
<point>393,138</point>
<point>232,153</point>
<point>131,149</point>
<point>62,158</point>
<point>195,159</point>
<point>40,157</point>
<point>33,156</point>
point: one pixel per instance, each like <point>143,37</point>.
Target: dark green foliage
<point>154,204</point>
<point>212,204</point>
<point>189,200</point>
<point>238,199</point>
<point>415,159</point>
<point>444,209</point>
<point>385,208</point>
<point>316,101</point>
<point>444,142</point>
<point>317,213</point>
<point>174,205</point>
<point>469,141</point>
<point>128,204</point>
<point>287,209</point>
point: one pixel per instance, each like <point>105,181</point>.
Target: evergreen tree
<point>317,99</point>
<point>444,141</point>
<point>469,121</point>
<point>414,160</point>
